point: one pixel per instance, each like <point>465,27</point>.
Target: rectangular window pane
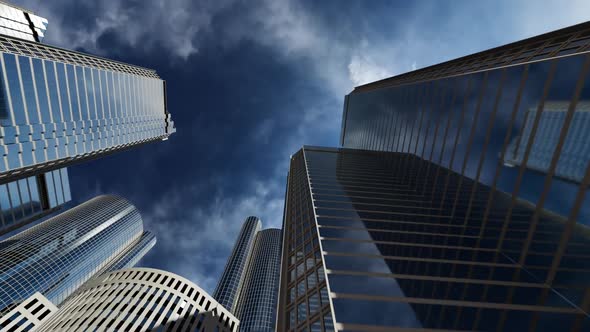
<point>18,107</point>
<point>63,90</point>
<point>73,93</point>
<point>41,91</point>
<point>53,92</point>
<point>90,93</point>
<point>29,89</point>
<point>82,92</point>
<point>50,190</point>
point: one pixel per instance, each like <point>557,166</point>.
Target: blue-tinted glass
<point>98,94</point>
<point>25,196</point>
<point>90,93</point>
<point>63,90</point>
<point>29,89</point>
<point>53,92</point>
<point>111,94</point>
<point>72,88</point>
<point>34,190</point>
<point>105,94</point>
<point>58,187</point>
<point>66,184</point>
<point>41,91</point>
<point>82,92</point>
<point>15,200</point>
<point>50,189</point>
<point>116,94</point>
<point>18,107</point>
<point>5,204</point>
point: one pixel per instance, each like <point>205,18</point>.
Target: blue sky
<point>250,82</point>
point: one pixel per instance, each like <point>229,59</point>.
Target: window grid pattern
<point>304,304</point>
<point>232,279</point>
<point>257,304</point>
<point>28,315</point>
<point>131,257</point>
<point>25,200</point>
<point>141,299</point>
<point>58,255</point>
<point>403,234</point>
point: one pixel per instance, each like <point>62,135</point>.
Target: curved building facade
<point>60,254</point>
<point>141,299</point>
<point>229,285</point>
<point>257,305</point>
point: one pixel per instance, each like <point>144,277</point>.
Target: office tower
<point>141,299</point>
<point>230,283</point>
<point>407,244</point>
<point>60,107</point>
<point>256,307</point>
<point>21,23</point>
<point>575,150</point>
<point>28,315</point>
<point>130,257</point>
<point>26,200</point>
<point>58,255</point>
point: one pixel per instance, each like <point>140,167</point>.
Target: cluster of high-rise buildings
<point>456,202</point>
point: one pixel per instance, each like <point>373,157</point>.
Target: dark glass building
<point>466,208</point>
<point>405,243</point>
<point>257,304</point>
<point>26,200</point>
<point>231,281</point>
<point>60,254</point>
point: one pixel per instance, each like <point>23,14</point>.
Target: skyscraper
<point>60,107</point>
<point>468,223</point>
<point>230,283</point>
<point>21,23</point>
<point>57,256</point>
<point>141,299</point>
<point>249,284</point>
<point>384,241</point>
<point>257,304</point>
<point>26,200</point>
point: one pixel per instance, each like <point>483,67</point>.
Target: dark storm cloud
<point>248,84</point>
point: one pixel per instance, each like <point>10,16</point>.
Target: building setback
<point>58,255</point>
<point>141,299</point>
<point>231,281</point>
<point>26,200</point>
<point>257,304</point>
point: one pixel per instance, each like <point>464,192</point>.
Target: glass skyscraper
<point>63,252</point>
<point>257,304</point>
<point>466,208</point>
<point>59,107</point>
<point>26,200</point>
<point>385,241</point>
<point>232,279</point>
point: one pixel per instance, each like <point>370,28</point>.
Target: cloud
<point>194,240</point>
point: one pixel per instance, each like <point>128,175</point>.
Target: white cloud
<point>198,236</point>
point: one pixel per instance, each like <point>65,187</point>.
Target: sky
<point>249,83</point>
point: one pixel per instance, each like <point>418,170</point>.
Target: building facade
<point>28,315</point>
<point>257,304</point>
<point>232,279</point>
<point>59,107</point>
<point>575,152</point>
<point>386,241</point>
<point>141,299</point>
<point>26,200</point>
<point>58,255</point>
<point>21,23</point>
